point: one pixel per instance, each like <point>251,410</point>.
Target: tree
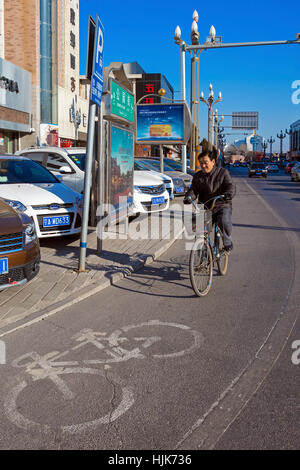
<point>205,145</point>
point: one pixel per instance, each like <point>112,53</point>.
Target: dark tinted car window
<point>78,159</point>
<point>258,165</point>
<point>24,171</point>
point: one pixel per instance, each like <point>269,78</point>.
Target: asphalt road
<point>147,365</point>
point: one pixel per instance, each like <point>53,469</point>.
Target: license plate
<point>56,221</point>
<point>3,265</point>
<point>179,190</point>
<point>258,172</point>
<point>158,200</point>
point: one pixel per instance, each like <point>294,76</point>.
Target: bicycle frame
<point>217,232</point>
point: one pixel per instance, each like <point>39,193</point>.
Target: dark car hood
<point>10,221</point>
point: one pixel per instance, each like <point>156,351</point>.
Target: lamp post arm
<point>240,44</point>
<point>204,101</point>
<point>155,94</point>
<point>217,101</point>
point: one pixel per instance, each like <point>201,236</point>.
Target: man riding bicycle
<point>211,181</point>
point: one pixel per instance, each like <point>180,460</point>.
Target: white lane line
<point>243,373</point>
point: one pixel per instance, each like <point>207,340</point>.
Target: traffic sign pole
<point>96,96</point>
<point>87,186</point>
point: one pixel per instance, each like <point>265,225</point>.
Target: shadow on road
<point>269,227</point>
<point>144,281</point>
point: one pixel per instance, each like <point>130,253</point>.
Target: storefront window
<point>8,142</point>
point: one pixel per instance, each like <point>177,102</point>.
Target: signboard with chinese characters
<point>15,94</point>
<point>122,102</point>
<point>245,120</point>
<point>97,77</point>
<point>162,123</point>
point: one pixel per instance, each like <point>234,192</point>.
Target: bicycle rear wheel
<point>222,259</point>
<point>201,267</point>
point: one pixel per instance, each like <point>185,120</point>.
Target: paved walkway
<point>125,249</point>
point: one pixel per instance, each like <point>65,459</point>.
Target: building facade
<point>295,140</point>
<point>42,38</point>
<point>15,105</point>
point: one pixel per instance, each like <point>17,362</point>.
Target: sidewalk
<point>58,285</point>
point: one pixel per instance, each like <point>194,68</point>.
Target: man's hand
<point>187,200</point>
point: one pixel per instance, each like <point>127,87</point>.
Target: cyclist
<point>209,182</point>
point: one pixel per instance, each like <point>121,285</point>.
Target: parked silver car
<point>295,172</point>
<point>152,164</point>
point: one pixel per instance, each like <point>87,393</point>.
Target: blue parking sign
<point>98,65</point>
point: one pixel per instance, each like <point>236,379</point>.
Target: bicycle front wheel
<point>201,267</point>
<point>222,257</point>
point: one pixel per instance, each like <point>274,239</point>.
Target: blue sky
<point>250,78</point>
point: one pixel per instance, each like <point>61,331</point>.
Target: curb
<point>84,294</point>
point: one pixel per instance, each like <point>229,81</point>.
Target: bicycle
<point>204,254</point>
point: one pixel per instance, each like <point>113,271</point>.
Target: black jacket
<point>206,186</point>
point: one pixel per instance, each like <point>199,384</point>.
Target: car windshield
<point>139,166</point>
<point>174,165</point>
<point>258,165</point>
<point>156,165</point>
<point>13,171</point>
<point>78,159</point>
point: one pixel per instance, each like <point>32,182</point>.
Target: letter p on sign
<point>2,353</point>
<point>99,45</point>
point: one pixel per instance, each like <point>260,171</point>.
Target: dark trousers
<point>223,219</point>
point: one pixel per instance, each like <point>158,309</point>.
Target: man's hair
<point>211,154</point>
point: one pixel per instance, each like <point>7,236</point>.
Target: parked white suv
<point>150,193</point>
<point>66,163</point>
<point>55,209</point>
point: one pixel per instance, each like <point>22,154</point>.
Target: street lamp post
<point>271,142</point>
<point>217,129</point>
<point>290,133</point>
<point>265,145</point>
<point>212,42</point>
<point>281,136</point>
<point>210,102</point>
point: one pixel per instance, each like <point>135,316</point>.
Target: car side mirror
<point>65,170</point>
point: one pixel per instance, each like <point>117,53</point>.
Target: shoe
<point>228,248</point>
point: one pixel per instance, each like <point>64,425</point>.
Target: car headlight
<point>30,233</point>
<point>79,201</point>
<point>17,205</point>
<point>137,189</point>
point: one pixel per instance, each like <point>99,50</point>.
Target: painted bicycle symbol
<point>121,345</point>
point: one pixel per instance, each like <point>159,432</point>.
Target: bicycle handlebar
<point>214,199</point>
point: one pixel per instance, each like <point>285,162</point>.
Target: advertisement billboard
<point>162,123</point>
<point>121,170</point>
<point>245,120</point>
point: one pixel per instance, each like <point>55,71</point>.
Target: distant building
<point>295,140</point>
<point>253,143</point>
